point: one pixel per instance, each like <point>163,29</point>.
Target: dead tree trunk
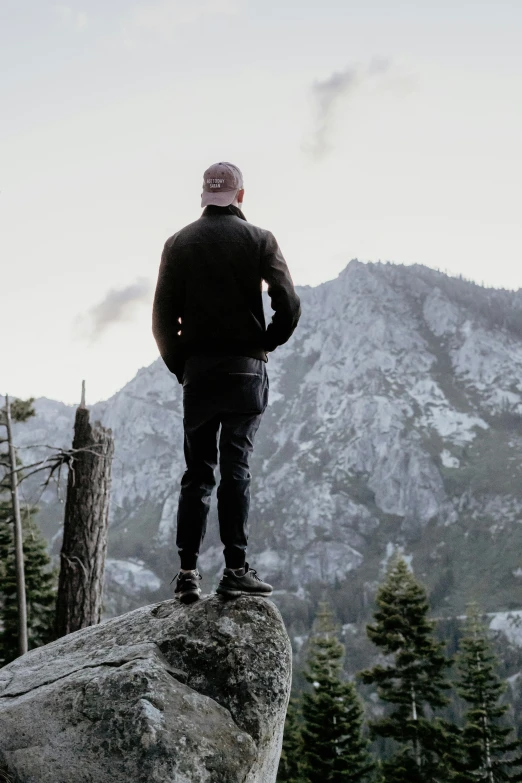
<point>82,565</point>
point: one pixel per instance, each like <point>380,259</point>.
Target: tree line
<point>328,740</point>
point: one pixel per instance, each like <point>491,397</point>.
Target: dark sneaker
<point>187,587</point>
<point>246,582</point>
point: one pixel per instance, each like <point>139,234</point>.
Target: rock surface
<point>167,692</point>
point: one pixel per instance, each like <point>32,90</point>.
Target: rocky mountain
<point>395,420</point>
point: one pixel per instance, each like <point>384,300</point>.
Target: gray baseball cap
<point>221,182</point>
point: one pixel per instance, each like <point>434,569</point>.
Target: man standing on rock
<point>209,326</point>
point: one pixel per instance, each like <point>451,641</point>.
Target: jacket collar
<point>213,209</point>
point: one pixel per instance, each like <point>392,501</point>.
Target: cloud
<point>70,15</point>
<point>326,95</point>
<point>340,86</point>
<point>117,306</point>
<point>162,17</point>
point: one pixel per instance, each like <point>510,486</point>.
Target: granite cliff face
<point>395,420</point>
<point>164,693</point>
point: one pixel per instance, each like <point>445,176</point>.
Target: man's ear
<point>240,194</point>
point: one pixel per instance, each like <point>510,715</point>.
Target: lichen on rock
<point>184,694</point>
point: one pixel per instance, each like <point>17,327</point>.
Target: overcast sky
<point>376,130</point>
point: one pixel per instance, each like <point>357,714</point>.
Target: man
<point>209,325</point>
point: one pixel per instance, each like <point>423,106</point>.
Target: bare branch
<point>32,465</point>
<point>38,446</point>
<point>53,463</point>
<point>63,455</point>
<point>36,470</point>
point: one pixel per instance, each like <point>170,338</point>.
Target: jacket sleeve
<point>284,300</point>
<point>167,311</point>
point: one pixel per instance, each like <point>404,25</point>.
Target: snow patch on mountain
<point>448,460</point>
<point>510,624</point>
<point>442,316</point>
<point>132,575</point>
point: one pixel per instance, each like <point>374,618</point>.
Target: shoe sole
<point>231,593</point>
<point>188,598</point>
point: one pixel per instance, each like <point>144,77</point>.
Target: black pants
<point>230,393</point>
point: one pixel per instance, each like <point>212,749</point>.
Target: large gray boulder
<point>166,693</point>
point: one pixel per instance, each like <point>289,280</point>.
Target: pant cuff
<point>188,561</point>
<point>235,564</point>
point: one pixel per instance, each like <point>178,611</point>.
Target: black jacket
<point>208,294</point>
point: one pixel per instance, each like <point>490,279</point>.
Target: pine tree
<point>291,762</point>
<point>40,585</point>
<point>334,748</point>
<point>490,755</point>
<point>413,681</point>
<point>15,410</point>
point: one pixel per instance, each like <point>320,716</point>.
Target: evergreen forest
<point>418,715</point>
